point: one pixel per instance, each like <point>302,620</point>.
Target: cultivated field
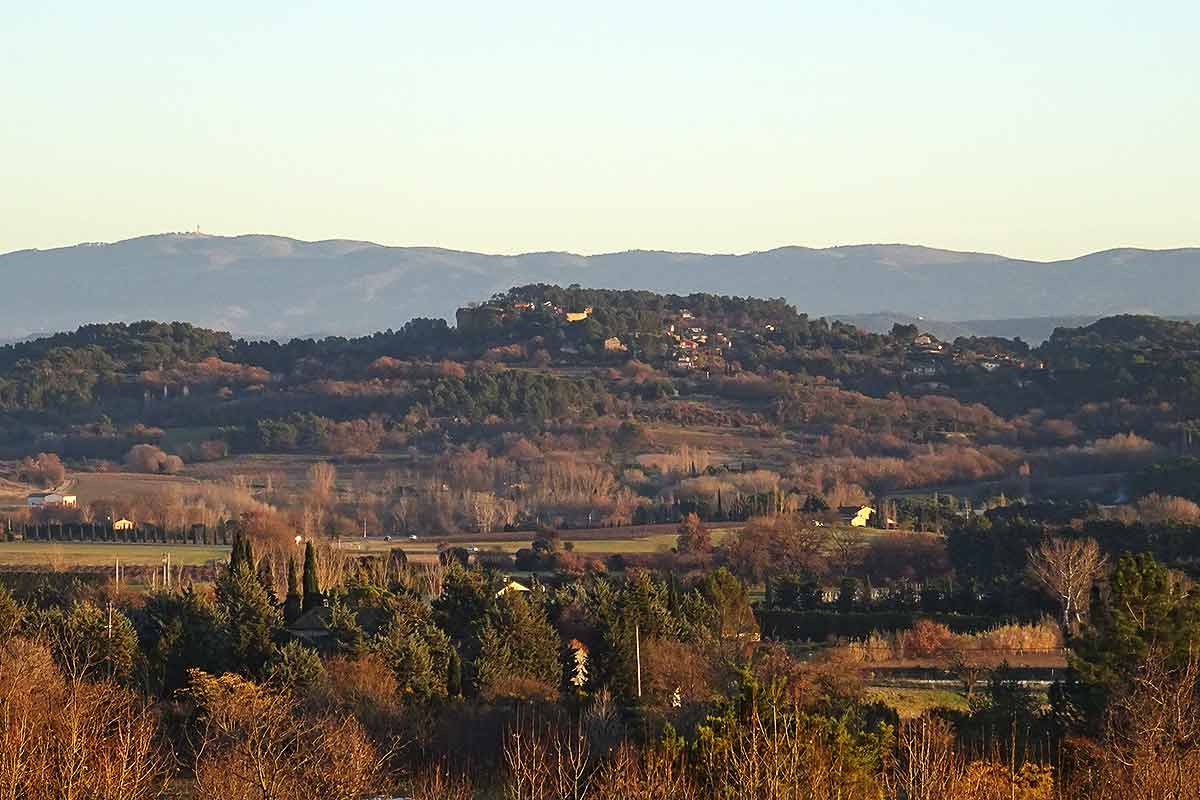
<point>92,486</point>
<point>592,541</point>
<point>61,556</point>
<point>290,470</point>
<point>13,494</point>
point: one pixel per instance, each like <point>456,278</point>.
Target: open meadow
<point>93,486</point>
<point>65,556</point>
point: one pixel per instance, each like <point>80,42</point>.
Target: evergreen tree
<point>235,552</point>
<point>89,643</point>
<point>733,617</point>
<point>178,631</point>
<point>348,636</point>
<point>1148,608</point>
<point>296,668</point>
<point>266,577</point>
<point>518,642</point>
<point>312,589</point>
<point>462,609</point>
<point>293,604</point>
<point>454,685</point>
<point>251,620</point>
<point>418,652</point>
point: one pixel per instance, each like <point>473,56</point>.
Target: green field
<point>910,703</point>
<point>591,545</point>
<point>67,555</point>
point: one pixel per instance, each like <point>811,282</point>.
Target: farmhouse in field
<point>51,500</point>
<point>857,516</point>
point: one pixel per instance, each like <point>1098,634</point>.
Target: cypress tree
<point>312,589</point>
<point>266,577</point>
<point>235,552</point>
<point>293,604</point>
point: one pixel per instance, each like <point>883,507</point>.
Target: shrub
<point>926,639</point>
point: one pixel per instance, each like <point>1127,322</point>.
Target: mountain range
<point>260,285</point>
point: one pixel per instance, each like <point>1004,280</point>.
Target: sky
<point>1033,129</point>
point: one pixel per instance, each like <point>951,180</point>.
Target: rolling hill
<point>262,285</point>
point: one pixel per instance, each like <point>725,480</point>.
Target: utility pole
<point>110,661</point>
<point>637,646</point>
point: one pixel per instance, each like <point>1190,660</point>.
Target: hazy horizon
<point>517,253</point>
<point>1031,131</point>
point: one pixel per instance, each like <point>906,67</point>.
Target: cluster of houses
<point>691,342</point>
<point>51,500</point>
<point>928,359</point>
<point>60,501</point>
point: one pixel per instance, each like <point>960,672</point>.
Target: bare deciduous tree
<point>926,764</point>
<point>545,763</point>
<point>1066,569</point>
<point>322,479</point>
<point>72,739</point>
<point>252,744</point>
<point>1151,744</point>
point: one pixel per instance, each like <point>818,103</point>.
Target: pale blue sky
<point>1037,129</point>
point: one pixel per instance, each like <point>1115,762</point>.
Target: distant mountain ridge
<point>276,286</point>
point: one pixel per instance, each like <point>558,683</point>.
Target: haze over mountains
<point>274,286</point>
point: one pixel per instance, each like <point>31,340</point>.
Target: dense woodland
<point>1027,503</point>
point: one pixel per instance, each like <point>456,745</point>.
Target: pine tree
<point>348,636</point>
<point>312,589</point>
<point>177,632</point>
<point>518,642</point>
<point>293,604</point>
<point>250,619</point>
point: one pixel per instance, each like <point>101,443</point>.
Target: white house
<point>512,586</point>
<point>861,517</point>
<point>51,500</point>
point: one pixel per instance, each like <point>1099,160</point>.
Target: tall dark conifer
<point>237,552</point>
<point>312,589</point>
<point>293,604</point>
<point>266,576</point>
